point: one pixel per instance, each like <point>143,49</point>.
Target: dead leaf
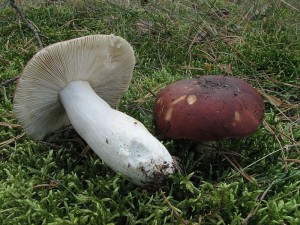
<point>272,99</point>
<point>226,68</point>
<point>278,102</point>
<point>208,66</point>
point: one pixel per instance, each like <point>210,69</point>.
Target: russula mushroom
<point>208,108</point>
<point>78,82</point>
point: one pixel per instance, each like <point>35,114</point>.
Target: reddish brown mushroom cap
<point>208,108</point>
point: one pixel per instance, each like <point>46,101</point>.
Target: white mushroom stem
<point>122,142</point>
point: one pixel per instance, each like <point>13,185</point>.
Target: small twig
<point>85,150</point>
<point>288,4</point>
<point>52,184</point>
<point>83,153</point>
<point>52,135</point>
<point>4,124</point>
<point>240,170</point>
<point>4,93</point>
<point>214,148</point>
<point>11,140</point>
<point>286,147</point>
<point>150,91</point>
<point>51,145</point>
<point>292,160</point>
<point>253,211</point>
<point>142,110</point>
<point>29,23</point>
<point>271,130</point>
<point>9,81</point>
<point>174,210</point>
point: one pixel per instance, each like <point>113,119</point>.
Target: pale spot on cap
<point>237,116</point>
<point>179,99</point>
<point>159,100</point>
<point>191,99</point>
<point>169,114</point>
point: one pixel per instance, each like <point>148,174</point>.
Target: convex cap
<point>208,108</point>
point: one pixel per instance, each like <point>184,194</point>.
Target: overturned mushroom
<point>62,83</point>
<point>208,108</point>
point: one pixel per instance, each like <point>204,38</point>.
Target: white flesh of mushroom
<point>122,142</point>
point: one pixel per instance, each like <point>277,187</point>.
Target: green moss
<point>52,183</point>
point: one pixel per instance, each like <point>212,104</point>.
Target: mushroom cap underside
<point>209,108</point>
<point>105,61</point>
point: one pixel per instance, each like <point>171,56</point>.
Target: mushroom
<point>78,82</point>
<point>209,108</point>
